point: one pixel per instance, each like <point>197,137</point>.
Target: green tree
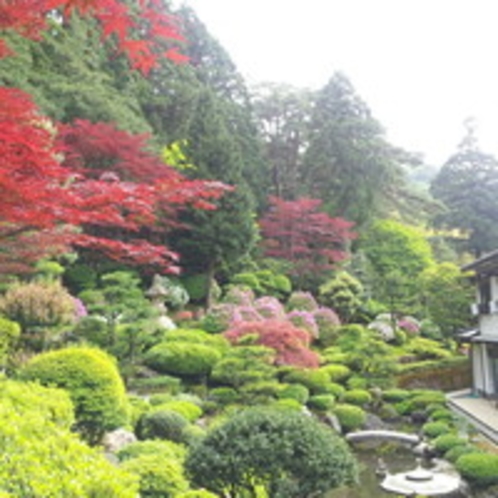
<point>349,164</point>
<point>288,454</point>
<point>283,113</point>
<point>466,185</point>
<point>396,255</point>
<point>447,293</point>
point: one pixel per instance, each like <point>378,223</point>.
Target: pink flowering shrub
<point>409,325</point>
<point>303,301</point>
<point>244,314</point>
<point>80,310</point>
<point>304,320</point>
<point>270,307</point>
<point>290,343</point>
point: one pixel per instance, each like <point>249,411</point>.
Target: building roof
<point>487,264</point>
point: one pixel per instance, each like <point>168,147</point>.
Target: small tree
<point>288,454</point>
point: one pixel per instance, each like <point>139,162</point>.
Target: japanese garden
<point>210,289</point>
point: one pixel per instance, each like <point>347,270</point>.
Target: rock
<point>333,422</point>
<point>117,440</point>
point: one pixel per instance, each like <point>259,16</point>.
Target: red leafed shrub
<point>290,343</point>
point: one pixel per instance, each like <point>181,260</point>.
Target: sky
<point>422,66</point>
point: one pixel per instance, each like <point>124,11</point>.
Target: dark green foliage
<point>288,454</point>
<point>182,358</point>
<point>160,383</point>
<point>456,452</point>
<point>350,417</point>
<point>479,469</point>
<point>162,424</point>
<point>264,283</point>
<point>224,395</point>
<point>466,186</point>
<point>244,364</point>
<point>395,395</point>
<point>93,382</point>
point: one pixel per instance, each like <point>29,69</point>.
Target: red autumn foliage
<point>298,232</point>
<point>29,19</point>
<point>108,187</point>
<point>290,343</point>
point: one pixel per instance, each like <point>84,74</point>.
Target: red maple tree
<point>52,189</point>
<point>290,343</point>
<point>299,233</point>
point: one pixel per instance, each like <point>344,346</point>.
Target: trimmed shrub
<point>441,414</point>
<point>257,448</point>
<point>165,449</point>
<point>395,395</point>
<point>162,424</point>
<point>435,429</point>
<point>316,381</point>
<point>358,397</point>
<point>288,404</point>
<point>456,452</point>
<point>350,417</point>
<point>321,402</point>
<point>336,389</point>
<point>224,395</point>
<point>159,399</point>
<point>185,408</point>
<point>426,349</point>
<point>303,301</point>
<point>161,383</point>
<point>182,358</point>
<point>446,442</point>
<point>159,477</point>
<point>336,373</point>
<point>328,324</point>
<point>197,336</point>
<point>297,392</point>
<point>356,382</point>
<point>480,469</point>
<point>138,406</point>
<point>304,320</point>
<point>94,385</point>
<point>269,308</point>
<point>262,391</point>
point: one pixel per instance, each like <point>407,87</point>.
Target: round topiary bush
<point>321,402</point>
<point>441,414</point>
<point>185,408</point>
<point>457,451</point>
<point>315,380</point>
<point>358,397</point>
<point>197,493</point>
<point>336,373</point>
<point>336,389</point>
<point>295,391</point>
<point>94,385</point>
<point>434,429</point>
<point>480,469</point>
<point>224,395</point>
<point>256,450</point>
<point>162,424</point>
<point>395,395</point>
<point>446,442</point>
<point>350,417</point>
<point>159,477</point>
<point>180,358</point>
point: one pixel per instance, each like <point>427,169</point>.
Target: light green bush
<point>93,382</point>
<point>434,429</point>
<point>41,458</point>
<point>295,391</point>
<point>446,442</point>
<point>198,493</point>
<point>185,408</point>
<point>456,452</point>
<point>336,373</point>
<point>350,417</point>
<point>197,336</point>
<point>180,358</point>
<point>159,477</point>
<point>9,335</point>
<point>395,395</point>
<point>336,389</point>
<point>321,402</point>
<point>358,397</point>
<point>315,380</point>
<point>165,449</point>
<point>224,395</point>
<point>480,469</point>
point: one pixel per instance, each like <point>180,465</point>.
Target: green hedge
<point>480,469</point>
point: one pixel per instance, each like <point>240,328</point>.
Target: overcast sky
<point>423,66</point>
